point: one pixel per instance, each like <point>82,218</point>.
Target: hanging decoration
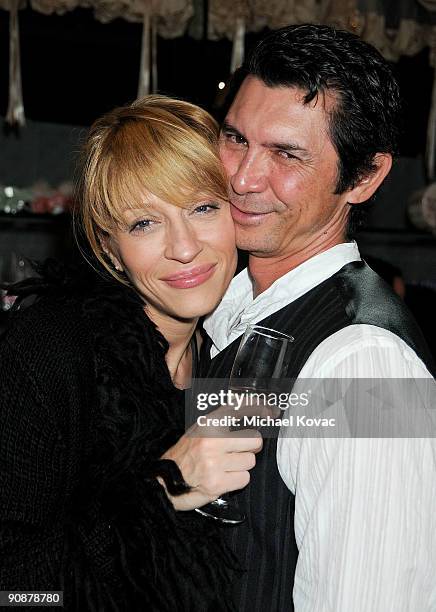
<point>148,67</point>
<point>343,14</point>
<point>276,13</point>
<point>403,27</point>
<point>431,133</point>
<point>15,112</point>
<point>238,45</point>
<point>48,7</point>
<point>144,69</point>
<point>167,18</point>
<point>230,20</point>
<point>430,5</point>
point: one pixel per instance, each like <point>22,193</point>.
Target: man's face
<point>282,170</point>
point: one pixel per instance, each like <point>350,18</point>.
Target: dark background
<point>75,68</point>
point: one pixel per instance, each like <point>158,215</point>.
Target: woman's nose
<point>183,244</point>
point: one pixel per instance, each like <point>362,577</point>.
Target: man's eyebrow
<point>282,146</point>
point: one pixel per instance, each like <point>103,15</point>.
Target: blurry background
<point>65,62</point>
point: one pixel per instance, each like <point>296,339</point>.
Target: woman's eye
<point>142,225</point>
<point>206,208</point>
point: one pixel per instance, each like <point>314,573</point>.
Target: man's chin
<point>255,245</point>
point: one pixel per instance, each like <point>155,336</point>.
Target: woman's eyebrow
<point>138,211</point>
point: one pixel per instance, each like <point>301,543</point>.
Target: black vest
<point>265,543</point>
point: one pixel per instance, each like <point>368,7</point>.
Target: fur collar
<point>126,549</point>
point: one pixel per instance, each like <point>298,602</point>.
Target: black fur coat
<point>86,408</point>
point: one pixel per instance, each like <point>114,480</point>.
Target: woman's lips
<point>247,218</point>
<point>190,278</point>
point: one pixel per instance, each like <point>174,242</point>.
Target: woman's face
<point>181,260</point>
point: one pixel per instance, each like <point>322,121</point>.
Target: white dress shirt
<point>365,508</point>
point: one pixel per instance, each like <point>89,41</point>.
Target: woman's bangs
<point>178,182</point>
<point>177,166</point>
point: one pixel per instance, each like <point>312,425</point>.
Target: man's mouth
<point>247,217</point>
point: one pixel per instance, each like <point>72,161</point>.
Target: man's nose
<point>183,244</point>
<point>250,175</point>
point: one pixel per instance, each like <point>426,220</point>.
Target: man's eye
<point>286,155</point>
<point>234,138</point>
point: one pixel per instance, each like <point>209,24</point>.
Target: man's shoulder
<point>360,294</point>
<point>367,298</point>
<point>364,351</point>
<point>373,316</point>
<point>354,296</point>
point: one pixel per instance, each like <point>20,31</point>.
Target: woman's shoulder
<point>62,300</point>
<point>48,326</point>
<point>47,358</point>
<point>76,314</point>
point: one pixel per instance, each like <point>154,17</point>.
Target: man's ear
<point>109,251</point>
<point>369,184</point>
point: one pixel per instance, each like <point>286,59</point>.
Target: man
<point>308,139</point>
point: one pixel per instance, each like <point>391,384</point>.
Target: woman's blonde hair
<point>157,144</point>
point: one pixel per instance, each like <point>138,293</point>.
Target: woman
<point>91,378</point>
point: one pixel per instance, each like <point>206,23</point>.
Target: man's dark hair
<point>319,59</point>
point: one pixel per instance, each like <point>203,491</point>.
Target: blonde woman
<point>92,377</point>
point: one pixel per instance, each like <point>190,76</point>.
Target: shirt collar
<point>238,308</point>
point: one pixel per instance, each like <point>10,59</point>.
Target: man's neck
<point>264,271</point>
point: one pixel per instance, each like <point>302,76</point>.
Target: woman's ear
<point>368,185</point>
<point>108,250</point>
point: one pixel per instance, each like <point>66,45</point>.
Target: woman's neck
<point>178,334</point>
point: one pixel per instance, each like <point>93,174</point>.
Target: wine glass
<point>263,356</point>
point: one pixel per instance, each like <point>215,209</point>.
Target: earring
<point>112,260</point>
<point>114,263</point>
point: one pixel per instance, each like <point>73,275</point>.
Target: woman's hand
<point>213,461</point>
